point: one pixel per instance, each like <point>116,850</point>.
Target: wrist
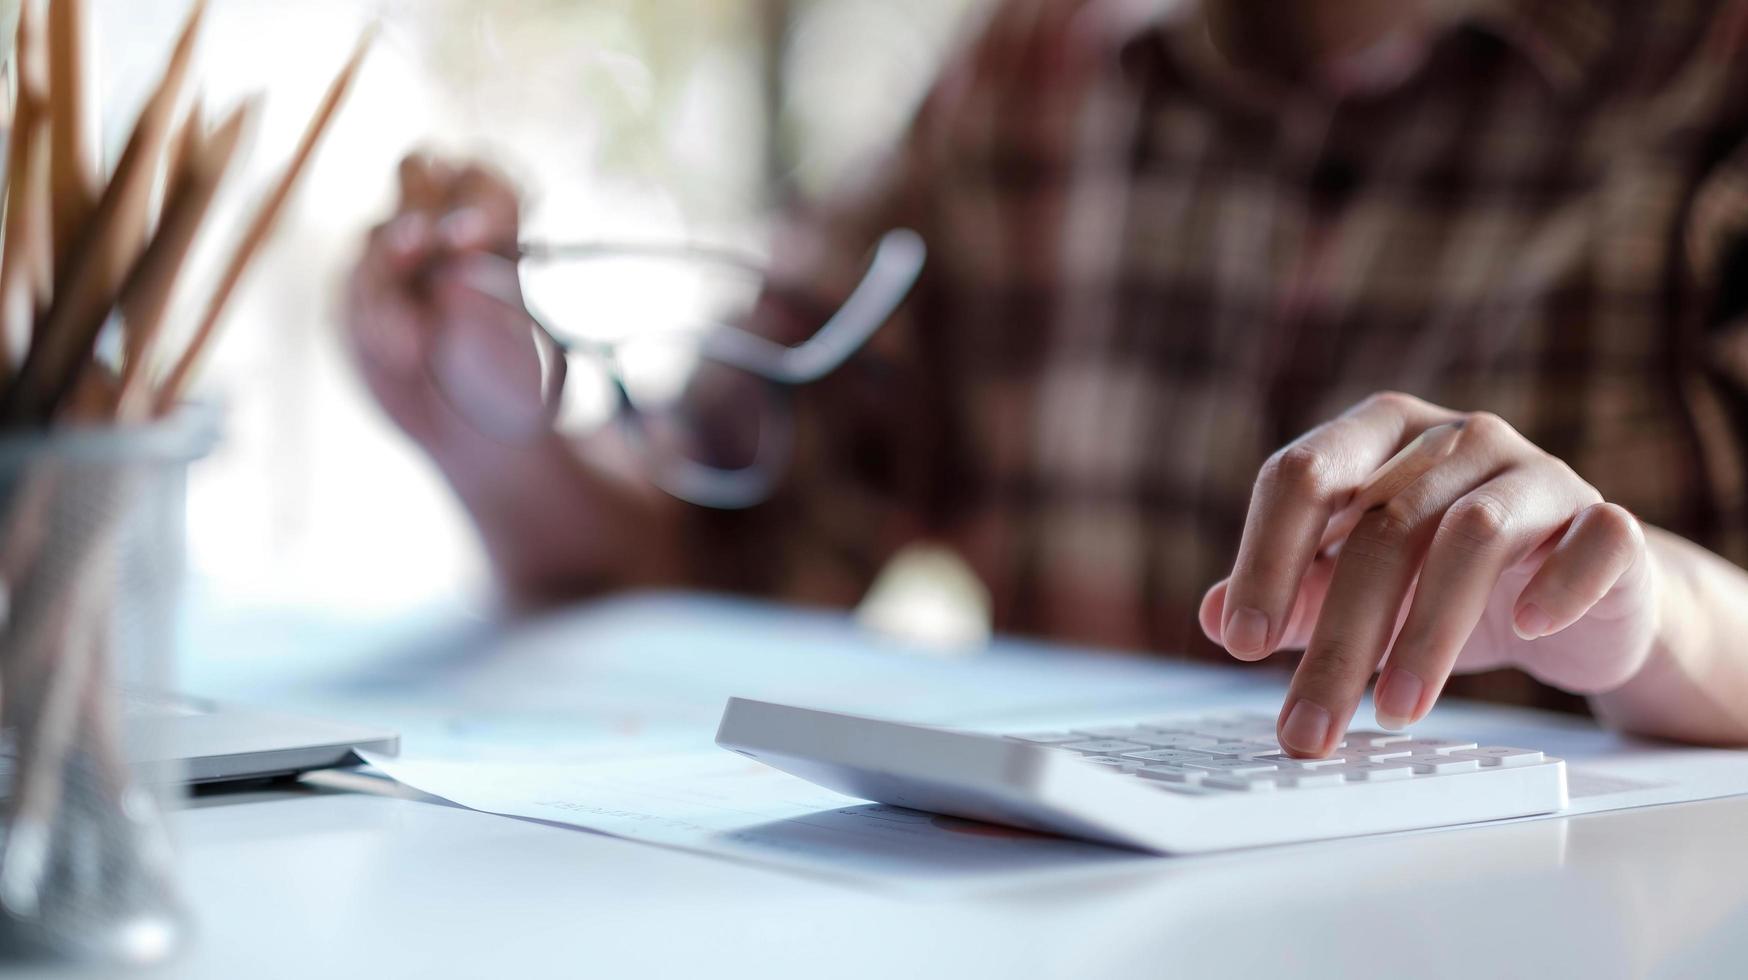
<point>1673,623</point>
<point>556,525</point>
<point>1672,694</point>
<point>1651,651</point>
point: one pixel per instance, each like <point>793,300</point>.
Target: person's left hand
<point>1444,539</point>
<point>435,297</point>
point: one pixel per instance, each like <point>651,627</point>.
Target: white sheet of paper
<point>723,804</point>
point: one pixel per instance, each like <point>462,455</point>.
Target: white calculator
<point>1171,785</point>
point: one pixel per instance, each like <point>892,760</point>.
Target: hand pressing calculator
<point>1173,786</point>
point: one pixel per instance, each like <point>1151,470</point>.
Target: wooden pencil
<point>75,180</point>
<point>146,296</point>
<point>186,140</point>
<point>22,271</point>
<point>27,245</point>
<point>180,160</point>
<point>88,284</point>
<point>176,384</point>
<point>40,200</point>
<point>137,171</point>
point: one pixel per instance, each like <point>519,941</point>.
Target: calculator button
<point>1233,767</point>
<point>1437,746</point>
<point>1172,756</point>
<point>1502,757</point>
<point>1049,738</point>
<point>1167,740</point>
<point>1103,746</point>
<point>1369,739</point>
<point>1442,765</point>
<point>1238,750</point>
<point>1382,753</point>
<point>1375,772</point>
<point>1288,762</point>
<point>1172,774</point>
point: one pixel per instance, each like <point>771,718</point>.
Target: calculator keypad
<point>1237,753</point>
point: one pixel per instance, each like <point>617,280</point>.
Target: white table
<point>321,881</point>
<point>328,885</point>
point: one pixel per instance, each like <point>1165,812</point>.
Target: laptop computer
<point>220,743</point>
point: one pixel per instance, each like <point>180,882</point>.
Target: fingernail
<point>1247,633</point>
<point>1397,699</point>
<point>1307,727</point>
<point>1532,623</point>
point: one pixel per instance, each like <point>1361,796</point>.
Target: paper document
<point>730,806</point>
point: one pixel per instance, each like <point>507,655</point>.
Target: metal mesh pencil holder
<point>91,555</point>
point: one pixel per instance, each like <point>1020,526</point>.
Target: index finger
<point>1299,490</point>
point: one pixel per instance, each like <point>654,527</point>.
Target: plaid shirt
<point>1149,271</point>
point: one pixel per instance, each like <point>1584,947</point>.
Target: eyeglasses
<point>706,404</point>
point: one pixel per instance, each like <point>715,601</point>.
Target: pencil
<point>74,180</point>
<point>27,245</point>
<point>131,186</point>
<point>180,162</point>
<point>22,269</point>
<point>179,152</point>
<point>176,385</point>
<point>93,274</point>
<point>146,297</point>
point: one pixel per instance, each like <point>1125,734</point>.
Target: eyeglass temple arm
<point>585,251</point>
<point>897,265</point>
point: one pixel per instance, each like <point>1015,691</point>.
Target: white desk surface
<point>353,885</point>
<point>318,882</point>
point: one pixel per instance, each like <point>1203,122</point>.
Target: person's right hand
<point>444,265</point>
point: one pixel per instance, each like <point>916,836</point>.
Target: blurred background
<point>641,119</point>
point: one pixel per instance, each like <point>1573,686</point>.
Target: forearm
<point>558,527</point>
<point>1694,686</point>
